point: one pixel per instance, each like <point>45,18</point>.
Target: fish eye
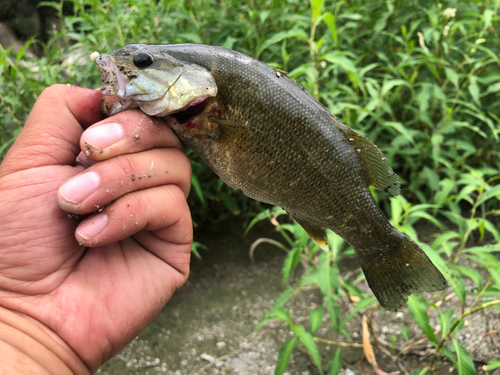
<point>142,60</point>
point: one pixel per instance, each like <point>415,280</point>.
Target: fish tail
<point>399,270</point>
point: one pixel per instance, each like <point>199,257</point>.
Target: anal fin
<point>316,232</point>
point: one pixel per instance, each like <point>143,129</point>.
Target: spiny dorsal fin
<point>316,232</point>
<point>379,172</point>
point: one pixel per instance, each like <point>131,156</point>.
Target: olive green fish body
<point>268,138</point>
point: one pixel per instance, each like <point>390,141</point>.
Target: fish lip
<point>113,82</point>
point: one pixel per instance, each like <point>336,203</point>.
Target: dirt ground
<point>215,313</point>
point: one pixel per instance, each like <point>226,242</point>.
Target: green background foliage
<point>418,79</point>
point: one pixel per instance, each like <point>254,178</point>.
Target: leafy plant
<point>420,78</point>
<point>321,268</point>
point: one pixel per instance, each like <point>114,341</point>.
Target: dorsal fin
<point>379,172</point>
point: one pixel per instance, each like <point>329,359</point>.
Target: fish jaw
<point>156,92</point>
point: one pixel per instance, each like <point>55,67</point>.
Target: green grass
<point>420,81</point>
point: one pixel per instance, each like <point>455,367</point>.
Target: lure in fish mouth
<point>167,85</point>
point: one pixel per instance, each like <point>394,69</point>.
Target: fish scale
<point>268,138</point>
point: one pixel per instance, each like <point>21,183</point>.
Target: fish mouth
<point>113,82</point>
<point>117,98</point>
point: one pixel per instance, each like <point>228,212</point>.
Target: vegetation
<point>420,78</point>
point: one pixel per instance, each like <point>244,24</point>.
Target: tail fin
<point>401,270</point>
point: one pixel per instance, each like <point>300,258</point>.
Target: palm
<point>95,298</point>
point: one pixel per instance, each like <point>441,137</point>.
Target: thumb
<point>51,135</point>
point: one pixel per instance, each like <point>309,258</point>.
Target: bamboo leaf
<point>306,339</point>
<point>335,362</point>
<point>284,355</point>
<point>452,76</point>
<point>316,7</point>
<point>283,298</point>
<point>346,64</point>
<point>465,366</point>
<point>195,183</point>
<point>329,20</point>
<point>315,318</point>
<point>459,289</point>
<point>291,261</point>
<point>470,272</point>
<point>389,85</point>
<point>278,37</point>
<point>418,311</point>
<point>422,371</point>
<point>334,311</point>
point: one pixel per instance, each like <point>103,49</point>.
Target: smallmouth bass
<point>268,138</point>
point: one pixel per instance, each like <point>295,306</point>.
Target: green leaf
<point>452,76</point>
<point>230,204</point>
<point>435,258</point>
<point>282,315</point>
<point>487,17</point>
<point>390,84</point>
<point>470,272</point>
<point>316,7</point>
<point>465,366</point>
<point>418,311</point>
<point>329,20</point>
<point>194,249</point>
<point>491,365</point>
<point>400,128</point>
<point>284,355</point>
<point>306,339</point>
<point>291,261</point>
<point>405,332</point>
<point>459,289</point>
<point>315,318</point>
<point>278,37</point>
<point>346,64</point>
<point>195,183</point>
<point>445,320</point>
<point>493,192</point>
<point>335,362</point>
<point>474,89</point>
<point>334,311</point>
<point>482,249</point>
<point>429,217</point>
<point>283,298</point>
<point>495,275</point>
<point>422,371</point>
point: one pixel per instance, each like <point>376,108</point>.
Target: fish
<point>271,140</point>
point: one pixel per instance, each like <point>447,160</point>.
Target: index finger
<point>125,133</point>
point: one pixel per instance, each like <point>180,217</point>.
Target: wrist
<point>28,347</point>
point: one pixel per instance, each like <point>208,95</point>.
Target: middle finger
<point>108,180</point>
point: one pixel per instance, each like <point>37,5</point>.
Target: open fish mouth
<point>185,88</point>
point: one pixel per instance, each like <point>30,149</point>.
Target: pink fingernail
<point>92,226</point>
<point>104,135</point>
<point>80,187</point>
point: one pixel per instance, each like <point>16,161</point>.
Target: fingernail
<point>104,135</point>
<point>92,226</point>
<point>79,188</point>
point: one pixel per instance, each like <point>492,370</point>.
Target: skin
<point>67,307</point>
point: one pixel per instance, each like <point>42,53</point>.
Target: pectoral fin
<point>379,172</point>
<point>316,232</point>
<point>228,124</point>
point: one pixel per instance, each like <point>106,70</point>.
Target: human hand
<point>93,298</point>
